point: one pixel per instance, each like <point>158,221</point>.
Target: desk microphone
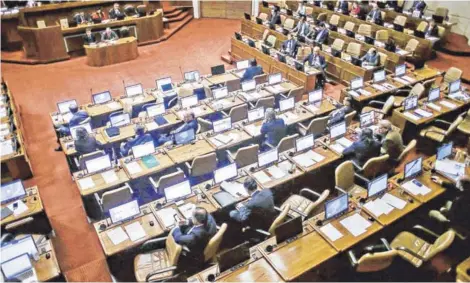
<point>181,71</point>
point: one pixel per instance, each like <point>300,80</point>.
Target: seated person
<point>109,35</point>
<point>89,38</point>
<point>301,8</point>
<point>116,12</point>
<point>273,129</point>
<point>190,122</point>
<point>356,10</point>
<point>140,138</point>
<point>375,14</point>
<point>99,15</point>
<point>418,6</point>
<point>371,58</point>
<point>252,71</point>
<point>343,7</point>
<point>85,143</point>
<point>316,60</point>
<point>81,18</point>
<point>431,29</point>
<point>302,27</point>
<point>392,143</point>
<point>289,46</point>
<point>258,212</point>
<point>275,16</point>
<point>320,36</point>
<point>196,232</point>
<point>77,118</point>
<point>363,149</point>
<point>339,114</point>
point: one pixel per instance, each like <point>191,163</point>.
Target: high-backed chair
<point>422,26</point>
<point>373,168</point>
<point>89,156</point>
<point>349,26</point>
<point>418,251</point>
<point>382,58</point>
<point>271,40</point>
<point>129,10</point>
<point>296,93</point>
<point>338,44</point>
<point>349,117</point>
<point>289,23</point>
<point>451,75</point>
<point>442,12</point>
<point>439,135</point>
<point>334,20</point>
<point>375,258</point>
<point>260,79</point>
<point>266,102</point>
<point>401,158</point>
<point>464,126</point>
<point>316,127</point>
<point>411,46</point>
<point>401,94</point>
<point>365,30</point>
<point>279,219</point>
<point>265,35</point>
<point>167,180</point>
<point>233,85</point>
<point>286,143</point>
<point>238,113</point>
<point>263,16</point>
<point>141,10</point>
<point>214,243</point>
<point>344,177</point>
<point>354,49</point>
<point>157,264</point>
<point>203,164</point>
<point>400,20</point>
<point>244,156</point>
<point>303,52</point>
<point>205,125</point>
<point>382,35</point>
<point>322,17</point>
<point>301,205</point>
<point>283,19</point>
<point>386,107</point>
<point>114,198</point>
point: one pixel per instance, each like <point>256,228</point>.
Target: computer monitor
<point>400,70</point>
<point>305,142</point>
<point>243,64</point>
<point>238,36</point>
<point>119,120</point>
<point>192,76</point>
<point>219,93</point>
<point>178,191</point>
<point>438,19</point>
<point>274,78</point>
<point>369,40</point>
<point>356,83</point>
<point>367,119</point>
<point>434,94</point>
<point>398,27</point>
<point>410,102</point>
<point>225,173</point>
<point>143,149</point>
<point>164,84</point>
<point>222,125</point>
<point>217,70</point>
<point>17,247</point>
<point>64,106</point>
<point>377,186</point>
<point>73,130</point>
<point>185,137</point>
<point>288,229</point>
<point>454,86</point>
<point>12,191</point>
<point>337,130</point>
<point>299,66</point>
<point>413,168</point>
<point>281,57</point>
<point>14,267</point>
<point>444,151</point>
<point>268,157</point>
<point>336,206</point>
<point>379,76</point>
<point>356,61</point>
<point>315,96</point>
<point>134,90</point>
<point>101,98</point>
<point>419,33</point>
<point>124,212</point>
<point>259,21</point>
<point>156,110</point>
<point>189,101</point>
<point>98,164</point>
<point>255,114</point>
<point>248,85</point>
<point>233,257</point>
<point>287,104</point>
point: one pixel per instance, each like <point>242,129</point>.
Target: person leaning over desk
<point>85,143</point>
<point>321,35</point>
<point>273,129</point>
<point>371,58</point>
<point>363,149</point>
<point>81,18</point>
<point>140,138</point>
<point>109,35</point>
<point>77,118</point>
<point>252,71</point>
<point>339,114</point>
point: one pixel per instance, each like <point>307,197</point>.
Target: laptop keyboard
<point>6,212</point>
<point>26,275</point>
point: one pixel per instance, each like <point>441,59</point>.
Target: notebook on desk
<point>160,120</point>
<point>224,198</point>
<point>112,131</point>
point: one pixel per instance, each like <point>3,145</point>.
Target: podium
<point>43,45</point>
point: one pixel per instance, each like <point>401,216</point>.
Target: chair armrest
<point>341,190</point>
<point>98,199</point>
<point>262,232</point>
<point>6,237</point>
<point>153,183</point>
<point>357,167</point>
<point>386,244</point>
<point>224,113</point>
<point>188,165</point>
<point>439,121</point>
<point>402,91</point>
<point>299,212</point>
<point>362,178</point>
<point>278,209</point>
<point>352,259</point>
<point>302,126</point>
<point>310,192</point>
<point>283,96</point>
<point>130,189</point>
<point>153,244</point>
<point>438,216</point>
<point>75,159</point>
<point>270,145</point>
<point>251,104</point>
<point>408,251</point>
<point>230,155</point>
<point>171,268</point>
<point>425,231</point>
<point>376,103</point>
<point>430,131</point>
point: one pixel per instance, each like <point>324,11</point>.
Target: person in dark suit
<point>343,7</point>
<point>363,149</point>
<point>85,143</point>
<point>252,71</point>
<point>190,122</point>
<point>302,27</point>
<point>375,15</point>
<point>78,116</point>
<point>371,58</point>
<point>418,6</point>
<point>273,129</point>
<point>109,35</point>
<point>301,8</point>
<point>116,12</point>
<point>321,35</point>
<point>431,29</point>
<point>317,61</point>
<point>196,232</point>
<point>258,212</point>
<point>89,38</point>
<point>289,46</point>
<point>140,138</point>
<point>81,18</point>
<point>275,16</point>
<point>392,142</point>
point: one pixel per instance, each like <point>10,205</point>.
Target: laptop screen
<point>413,168</point>
<point>225,173</point>
<point>315,96</point>
<point>119,120</point>
<point>304,142</point>
<point>222,125</point>
<point>377,186</point>
<point>336,206</point>
<point>267,157</point>
<point>337,130</point>
<point>156,109</point>
<point>134,90</point>
<point>288,229</point>
<point>410,103</point>
<point>185,137</point>
<point>379,76</point>
<point>192,76</point>
<point>17,247</point>
<point>357,83</point>
<point>248,85</point>
<point>73,130</point>
<point>164,84</point>
<point>434,94</point>
<point>400,70</point>
<point>102,97</point>
<point>124,211</point>
<point>255,114</point>
<point>12,191</point>
<point>64,106</point>
<point>219,93</point>
<point>287,104</point>
<point>243,64</point>
<point>234,256</point>
<point>98,164</point>
<point>177,191</point>
<point>189,101</point>
<point>454,86</point>
<point>143,149</point>
<point>217,70</point>
<point>274,78</point>
<point>367,119</point>
<point>444,151</point>
<point>16,266</point>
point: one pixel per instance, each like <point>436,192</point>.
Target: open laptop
<point>19,269</point>
<point>398,27</point>
<point>304,143</point>
<point>248,86</point>
<point>238,36</point>
<point>315,98</point>
<point>225,173</point>
<point>255,114</point>
<point>445,163</point>
<point>281,57</point>
<point>274,78</point>
<point>288,231</point>
<point>286,104</point>
<point>101,97</point>
<point>165,85</point>
<point>184,137</point>
<point>265,49</point>
<point>265,159</point>
<point>220,93</point>
<point>64,106</point>
<point>86,126</point>
<point>189,101</point>
<point>222,125</point>
<point>355,86</point>
<point>233,257</point>
<point>19,246</point>
<point>178,191</point>
<point>454,86</point>
<point>12,191</point>
<point>299,66</point>
<point>400,70</point>
<point>336,207</point>
<point>379,77</point>
<point>124,212</point>
<point>434,94</point>
<point>192,76</point>
<point>217,70</point>
<point>369,40</point>
<point>410,103</point>
<point>142,150</point>
<point>367,119</point>
<point>98,164</point>
<point>156,111</point>
<point>337,137</point>
<point>377,186</point>
<point>444,151</point>
<point>356,61</point>
<point>241,65</point>
<point>121,120</point>
<point>134,90</point>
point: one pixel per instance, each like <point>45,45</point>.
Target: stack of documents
<point>166,215</point>
<point>378,207</point>
<point>7,147</point>
<point>117,235</point>
<point>409,79</point>
<point>337,147</point>
<point>236,189</point>
<point>394,201</point>
<point>434,106</point>
<point>226,138</point>
<point>114,105</point>
<point>416,188</point>
<point>261,177</point>
<point>379,87</point>
<point>423,113</point>
<point>411,116</point>
<point>400,80</point>
<point>450,167</point>
<point>133,167</point>
<point>135,231</point>
<point>86,183</point>
<point>109,176</point>
<point>448,104</point>
<point>276,172</point>
<point>364,92</point>
<point>355,224</point>
<point>459,96</point>
<point>308,158</point>
<point>331,232</point>
<point>353,93</point>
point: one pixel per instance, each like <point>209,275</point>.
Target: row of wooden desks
<point>32,201</point>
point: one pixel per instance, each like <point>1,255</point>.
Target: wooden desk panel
<point>46,269</point>
<point>220,79</point>
<point>330,157</point>
<point>425,179</point>
<point>100,183</point>
<point>239,137</point>
<point>95,110</point>
<point>121,50</point>
<point>276,182</point>
<point>164,163</point>
<point>32,200</point>
<point>45,45</point>
<point>188,152</point>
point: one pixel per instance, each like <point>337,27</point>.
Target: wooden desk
<point>285,166</point>
<point>129,103</point>
<point>100,184</point>
<point>425,179</point>
<point>238,136</point>
<point>463,271</point>
<point>102,110</point>
<point>225,103</point>
<point>121,50</point>
<point>171,118</point>
<point>32,200</point>
<point>283,87</point>
<point>431,161</point>
<point>220,79</point>
<point>209,193</point>
<point>188,152</point>
<point>44,45</point>
<point>46,268</point>
<point>163,159</point>
<point>68,144</point>
<point>253,96</point>
<point>318,110</point>
<point>200,110</point>
<point>329,157</point>
<point>125,132</point>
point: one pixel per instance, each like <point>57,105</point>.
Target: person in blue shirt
<point>317,61</point>
<point>289,46</point>
<point>321,35</point>
<point>418,6</point>
<point>375,15</point>
<point>78,116</point>
<point>85,143</point>
<point>363,149</point>
<point>302,27</point>
<point>343,7</point>
<point>140,138</point>
<point>371,58</point>
<point>275,16</point>
<point>301,9</point>
<point>273,129</point>
<point>252,71</point>
<point>190,122</point>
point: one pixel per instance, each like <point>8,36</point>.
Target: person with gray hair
<point>363,149</point>
<point>392,142</point>
<point>140,138</point>
<point>85,143</point>
<point>273,129</point>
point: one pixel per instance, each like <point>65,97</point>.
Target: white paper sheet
<point>450,167</point>
<point>423,113</point>
<point>379,87</point>
<point>187,209</point>
<point>261,177</point>
<point>331,232</point>
<point>411,116</point>
<point>135,231</point>
<point>114,105</point>
<point>312,108</point>
<point>434,106</point>
<point>109,176</point>
<point>234,188</point>
<point>365,92</point>
<point>225,139</point>
<point>373,208</point>
<point>133,167</point>
<point>253,130</point>
<point>117,235</point>
<point>315,156</point>
<point>337,147</point>
<point>394,201</point>
<point>86,183</point>
<point>167,216</point>
<point>411,80</point>
<point>21,207</point>
<point>303,160</point>
<point>276,172</point>
<point>384,206</point>
<point>353,93</point>
<point>151,126</point>
<point>7,147</point>
<point>400,80</point>
<point>355,224</point>
<point>344,142</point>
<point>448,104</point>
<point>414,189</point>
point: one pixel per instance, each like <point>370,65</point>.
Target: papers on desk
<point>197,110</point>
<point>109,176</point>
<point>151,126</point>
<point>364,92</point>
<point>434,106</point>
<point>409,79</point>
<point>226,138</point>
<point>344,142</point>
<point>312,108</point>
<point>251,96</point>
<point>261,177</point>
<point>236,189</point>
<point>133,167</point>
<point>416,188</point>
<point>378,207</point>
<point>117,235</point>
<point>135,231</point>
<point>7,147</point>
<point>450,167</point>
<point>187,209</point>
<point>4,131</point>
<point>3,112</point>
<point>448,104</point>
<point>86,183</point>
<point>379,87</point>
<point>166,215</point>
<point>355,224</point>
<point>308,158</point>
<point>369,67</point>
<point>401,52</point>
<point>114,105</point>
<point>288,116</point>
<point>353,93</point>
<point>411,116</point>
<point>459,96</point>
<point>400,80</point>
<point>221,103</point>
<point>423,113</point>
<point>394,201</point>
<point>20,207</point>
<point>253,129</point>
<point>276,172</point>
<point>331,232</point>
<point>337,147</point>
